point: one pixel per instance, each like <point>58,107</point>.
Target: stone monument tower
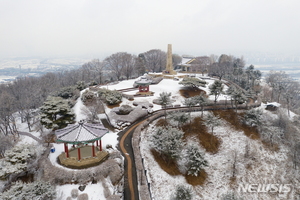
<point>169,66</point>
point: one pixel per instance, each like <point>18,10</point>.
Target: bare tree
<point>115,63</point>
<point>222,67</point>
<point>7,108</point>
<point>176,59</point>
<point>140,67</point>
<point>128,62</point>
<point>201,64</point>
<point>277,81</point>
<point>94,69</point>
<point>213,58</point>
<point>155,60</point>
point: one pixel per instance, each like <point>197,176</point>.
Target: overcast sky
<point>99,28</point>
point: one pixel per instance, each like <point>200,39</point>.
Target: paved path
<point>125,145</point>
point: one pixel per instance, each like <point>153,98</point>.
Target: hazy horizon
<point>99,28</point>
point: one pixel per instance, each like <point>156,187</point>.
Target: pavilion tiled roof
<point>81,132</point>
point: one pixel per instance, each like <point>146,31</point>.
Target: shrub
<point>125,110</point>
<point>29,191</point>
<point>183,193</point>
<point>110,96</point>
<point>74,193</point>
<point>81,85</point>
<point>83,196</point>
<point>230,196</point>
<point>253,117</point>
<point>68,92</point>
<point>87,95</point>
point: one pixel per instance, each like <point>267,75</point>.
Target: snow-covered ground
<point>263,166</point>
<point>94,191</point>
<point>166,85</point>
<point>219,164</point>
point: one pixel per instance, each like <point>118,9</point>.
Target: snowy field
<point>266,167</point>
<point>166,85</point>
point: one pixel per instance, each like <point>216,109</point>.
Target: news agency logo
<point>262,188</point>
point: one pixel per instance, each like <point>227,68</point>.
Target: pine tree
<point>189,102</point>
<point>201,100</point>
<point>238,98</point>
<point>180,118</point>
<point>56,113</point>
<point>216,89</point>
<point>192,82</point>
<point>253,117</point>
<point>164,99</point>
<point>196,160</point>
<point>183,193</point>
<point>37,190</point>
<point>16,160</point>
<point>212,121</point>
<point>168,142</point>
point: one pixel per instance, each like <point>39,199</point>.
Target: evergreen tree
<point>230,91</point>
<point>168,142</point>
<point>201,100</point>
<point>37,190</point>
<point>180,118</point>
<point>253,117</point>
<point>216,89</point>
<point>56,113</point>
<point>164,99</point>
<point>212,121</point>
<point>189,102</point>
<point>195,160</point>
<point>238,98</point>
<point>16,160</point>
<point>192,82</point>
<point>183,193</point>
<point>111,97</point>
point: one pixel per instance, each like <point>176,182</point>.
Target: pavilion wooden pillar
<point>66,150</point>
<point>93,150</point>
<point>100,145</point>
<point>78,151</point>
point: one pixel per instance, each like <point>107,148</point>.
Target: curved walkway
<point>131,190</point>
<point>125,144</point>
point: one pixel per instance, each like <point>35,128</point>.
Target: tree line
<point>26,95</point>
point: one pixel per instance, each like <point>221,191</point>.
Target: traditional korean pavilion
<point>85,140</point>
<point>143,85</point>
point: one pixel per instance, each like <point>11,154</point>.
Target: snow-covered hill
<point>259,165</point>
